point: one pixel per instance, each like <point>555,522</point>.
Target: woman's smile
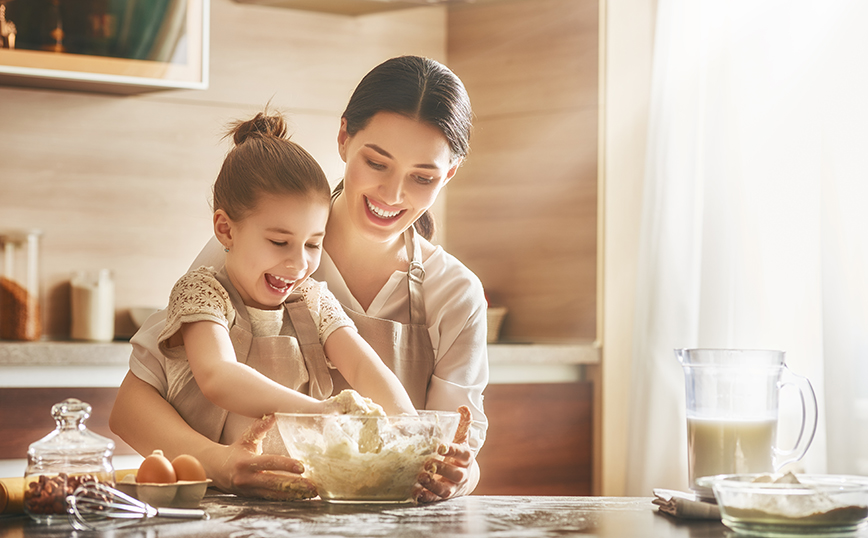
<point>382,213</point>
<point>396,166</point>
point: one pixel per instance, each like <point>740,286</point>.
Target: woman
<point>403,135</point>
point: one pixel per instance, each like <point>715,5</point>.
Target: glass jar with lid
<point>62,460</point>
<point>20,317</point>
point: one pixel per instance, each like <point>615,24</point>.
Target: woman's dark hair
<point>264,161</point>
<point>421,89</point>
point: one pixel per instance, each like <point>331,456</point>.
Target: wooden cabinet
<point>539,440</point>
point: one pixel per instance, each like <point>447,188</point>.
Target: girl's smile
<point>279,285</point>
<point>274,248</point>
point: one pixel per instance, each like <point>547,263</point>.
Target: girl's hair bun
<point>262,125</point>
<point>264,161</point>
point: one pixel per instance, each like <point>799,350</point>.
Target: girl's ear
<point>223,228</point>
<point>343,139</point>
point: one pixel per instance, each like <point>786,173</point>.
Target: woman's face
<point>396,166</point>
<point>274,248</point>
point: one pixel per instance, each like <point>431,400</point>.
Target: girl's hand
<point>245,471</point>
<point>451,476</point>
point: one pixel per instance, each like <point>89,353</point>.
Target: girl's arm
<point>232,385</point>
<point>360,365</point>
<point>146,421</point>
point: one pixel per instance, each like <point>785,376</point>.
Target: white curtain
<point>755,218</point>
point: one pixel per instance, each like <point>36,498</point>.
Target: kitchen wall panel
<point>123,182</point>
<point>522,211</point>
<point>26,416</point>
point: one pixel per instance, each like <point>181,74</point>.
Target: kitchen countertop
<point>86,364</point>
<point>473,516</point>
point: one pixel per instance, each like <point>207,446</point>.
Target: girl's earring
<point>225,249</point>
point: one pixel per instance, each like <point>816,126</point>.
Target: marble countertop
<point>63,353</point>
<point>78,364</point>
<point>473,516</point>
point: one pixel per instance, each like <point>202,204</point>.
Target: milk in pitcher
<point>727,446</point>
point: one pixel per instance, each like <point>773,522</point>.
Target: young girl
<point>258,336</point>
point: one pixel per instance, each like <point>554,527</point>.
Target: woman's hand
<point>447,478</point>
<point>245,471</point>
<point>147,422</point>
<point>456,474</point>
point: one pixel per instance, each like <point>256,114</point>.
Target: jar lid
<point>18,236</point>
<point>71,439</point>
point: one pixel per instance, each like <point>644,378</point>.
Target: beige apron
<point>294,358</point>
<point>406,349</point>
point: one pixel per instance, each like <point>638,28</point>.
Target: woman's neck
<point>364,264</point>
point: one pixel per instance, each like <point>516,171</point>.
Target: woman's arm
<point>232,385</point>
<point>146,421</point>
<point>357,361</point>
<point>457,310</point>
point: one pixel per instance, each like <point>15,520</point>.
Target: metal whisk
<point>94,505</point>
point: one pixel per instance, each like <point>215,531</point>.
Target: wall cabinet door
<point>112,47</point>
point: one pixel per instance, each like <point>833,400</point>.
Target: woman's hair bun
<point>260,126</point>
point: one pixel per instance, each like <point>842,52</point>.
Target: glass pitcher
<point>732,412</point>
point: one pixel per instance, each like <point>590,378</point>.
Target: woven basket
<point>495,321</point>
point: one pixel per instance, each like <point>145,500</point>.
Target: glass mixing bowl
<point>354,458</point>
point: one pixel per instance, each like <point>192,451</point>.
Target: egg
<point>188,468</point>
<point>156,469</point>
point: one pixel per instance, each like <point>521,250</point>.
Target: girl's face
<point>396,166</point>
<point>274,248</point>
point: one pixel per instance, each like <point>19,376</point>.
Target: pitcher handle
<point>809,418</point>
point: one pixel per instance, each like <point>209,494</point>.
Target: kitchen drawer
<point>539,440</point>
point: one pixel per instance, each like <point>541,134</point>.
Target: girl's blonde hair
<point>264,161</point>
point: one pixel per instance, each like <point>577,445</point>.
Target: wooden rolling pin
<point>11,495</point>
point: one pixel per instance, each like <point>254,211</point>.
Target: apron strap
<point>241,329</point>
<point>311,348</point>
<point>241,317</point>
<point>415,277</point>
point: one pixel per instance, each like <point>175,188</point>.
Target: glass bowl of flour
<point>775,505</point>
<point>362,455</point>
